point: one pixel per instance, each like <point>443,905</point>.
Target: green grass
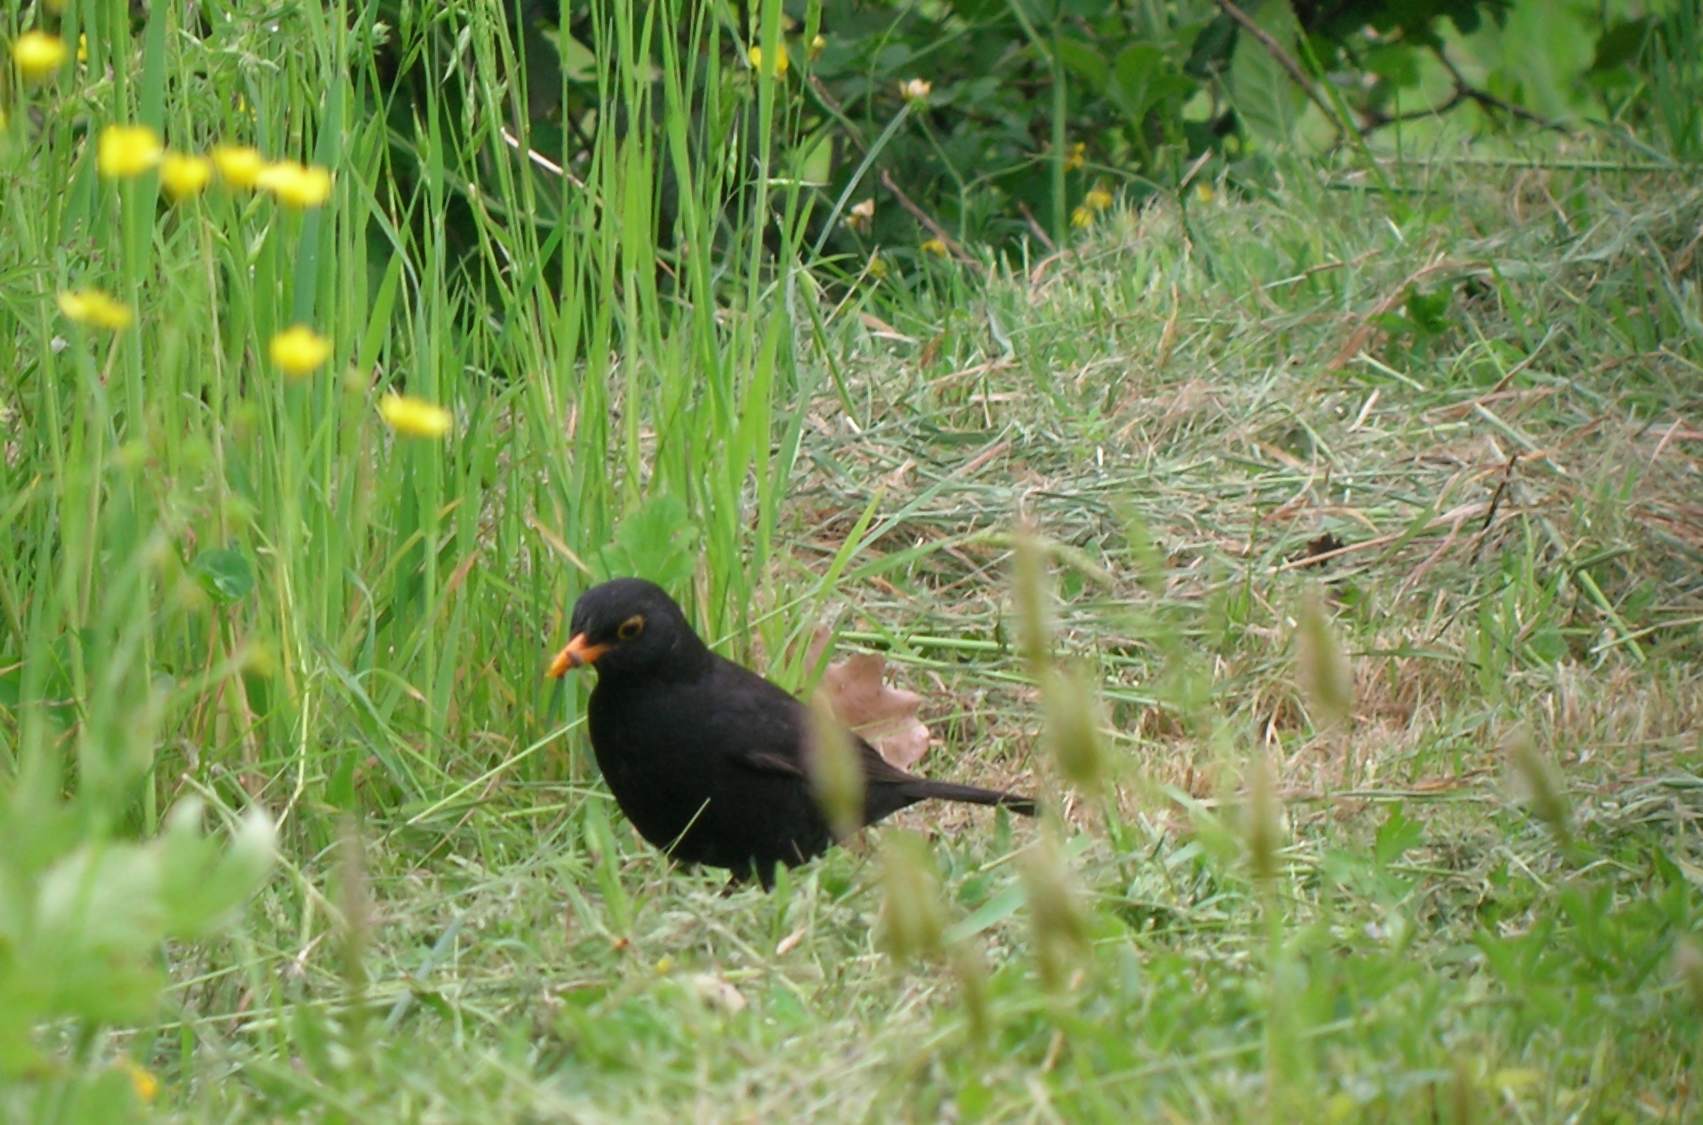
<point>1476,391</point>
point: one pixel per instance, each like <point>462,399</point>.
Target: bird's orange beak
<point>578,653</point>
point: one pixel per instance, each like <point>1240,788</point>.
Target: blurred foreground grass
<point>1370,517</point>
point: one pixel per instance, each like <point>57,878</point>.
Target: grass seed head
<point>1264,826</point>
<point>1322,667</point>
<point>1074,715</point>
<point>913,917</point>
<point>1537,783</point>
<point>836,775</point>
<point>1055,912</point>
<point>1033,596</point>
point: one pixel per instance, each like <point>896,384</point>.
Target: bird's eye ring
<point>631,627</point>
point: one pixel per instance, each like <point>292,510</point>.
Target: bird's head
<point>628,625</point>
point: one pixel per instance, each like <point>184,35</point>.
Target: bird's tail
<point>922,789</point>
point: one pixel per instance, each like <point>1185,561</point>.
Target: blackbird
<point>707,758</point>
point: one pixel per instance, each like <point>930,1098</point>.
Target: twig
<point>1465,89</point>
<point>1495,502</point>
<point>1036,229</point>
<point>927,221</point>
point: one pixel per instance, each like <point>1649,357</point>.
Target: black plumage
<point>707,758</point>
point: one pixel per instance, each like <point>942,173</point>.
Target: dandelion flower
<point>38,55</point>
<point>915,89</point>
<point>128,150</point>
<point>1097,199</point>
<point>781,60</point>
<point>934,246</point>
<point>95,308</point>
<point>298,351</point>
<point>1082,217</point>
<point>184,176</point>
<point>415,417</point>
<point>238,165</point>
<point>296,185</point>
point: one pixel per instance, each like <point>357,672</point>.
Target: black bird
<point>707,758</point>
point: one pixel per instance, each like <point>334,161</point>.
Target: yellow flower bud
<point>183,176</point>
<point>239,165</point>
<point>755,54</point>
<point>38,55</point>
<point>415,417</point>
<point>127,151</point>
<point>298,351</point>
<point>95,308</point>
<point>296,185</point>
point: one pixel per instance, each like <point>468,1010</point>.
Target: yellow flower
<point>82,48</point>
<point>934,246</point>
<point>185,176</point>
<point>96,309</point>
<point>817,43</point>
<point>299,350</point>
<point>877,267</point>
<point>1082,217</point>
<point>238,165</point>
<point>147,1087</point>
<point>1097,199</point>
<point>781,60</point>
<point>861,216</point>
<point>1077,158</point>
<point>1203,192</point>
<point>38,54</point>
<point>415,417</point>
<point>128,150</point>
<point>296,185</point>
<point>915,89</point>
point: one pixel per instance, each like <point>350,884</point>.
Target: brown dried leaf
<point>885,716</point>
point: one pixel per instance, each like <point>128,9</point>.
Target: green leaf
<point>1084,60</point>
<point>224,573</point>
<point>656,542</point>
<point>1143,78</point>
<point>1266,98</point>
<point>1395,837</point>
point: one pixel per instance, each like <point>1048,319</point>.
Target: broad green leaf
<point>224,573</point>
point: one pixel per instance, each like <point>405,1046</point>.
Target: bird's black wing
<point>775,727</point>
<point>875,768</point>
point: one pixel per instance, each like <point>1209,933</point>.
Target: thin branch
<point>927,220</point>
<point>1491,101</point>
<point>1464,92</point>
